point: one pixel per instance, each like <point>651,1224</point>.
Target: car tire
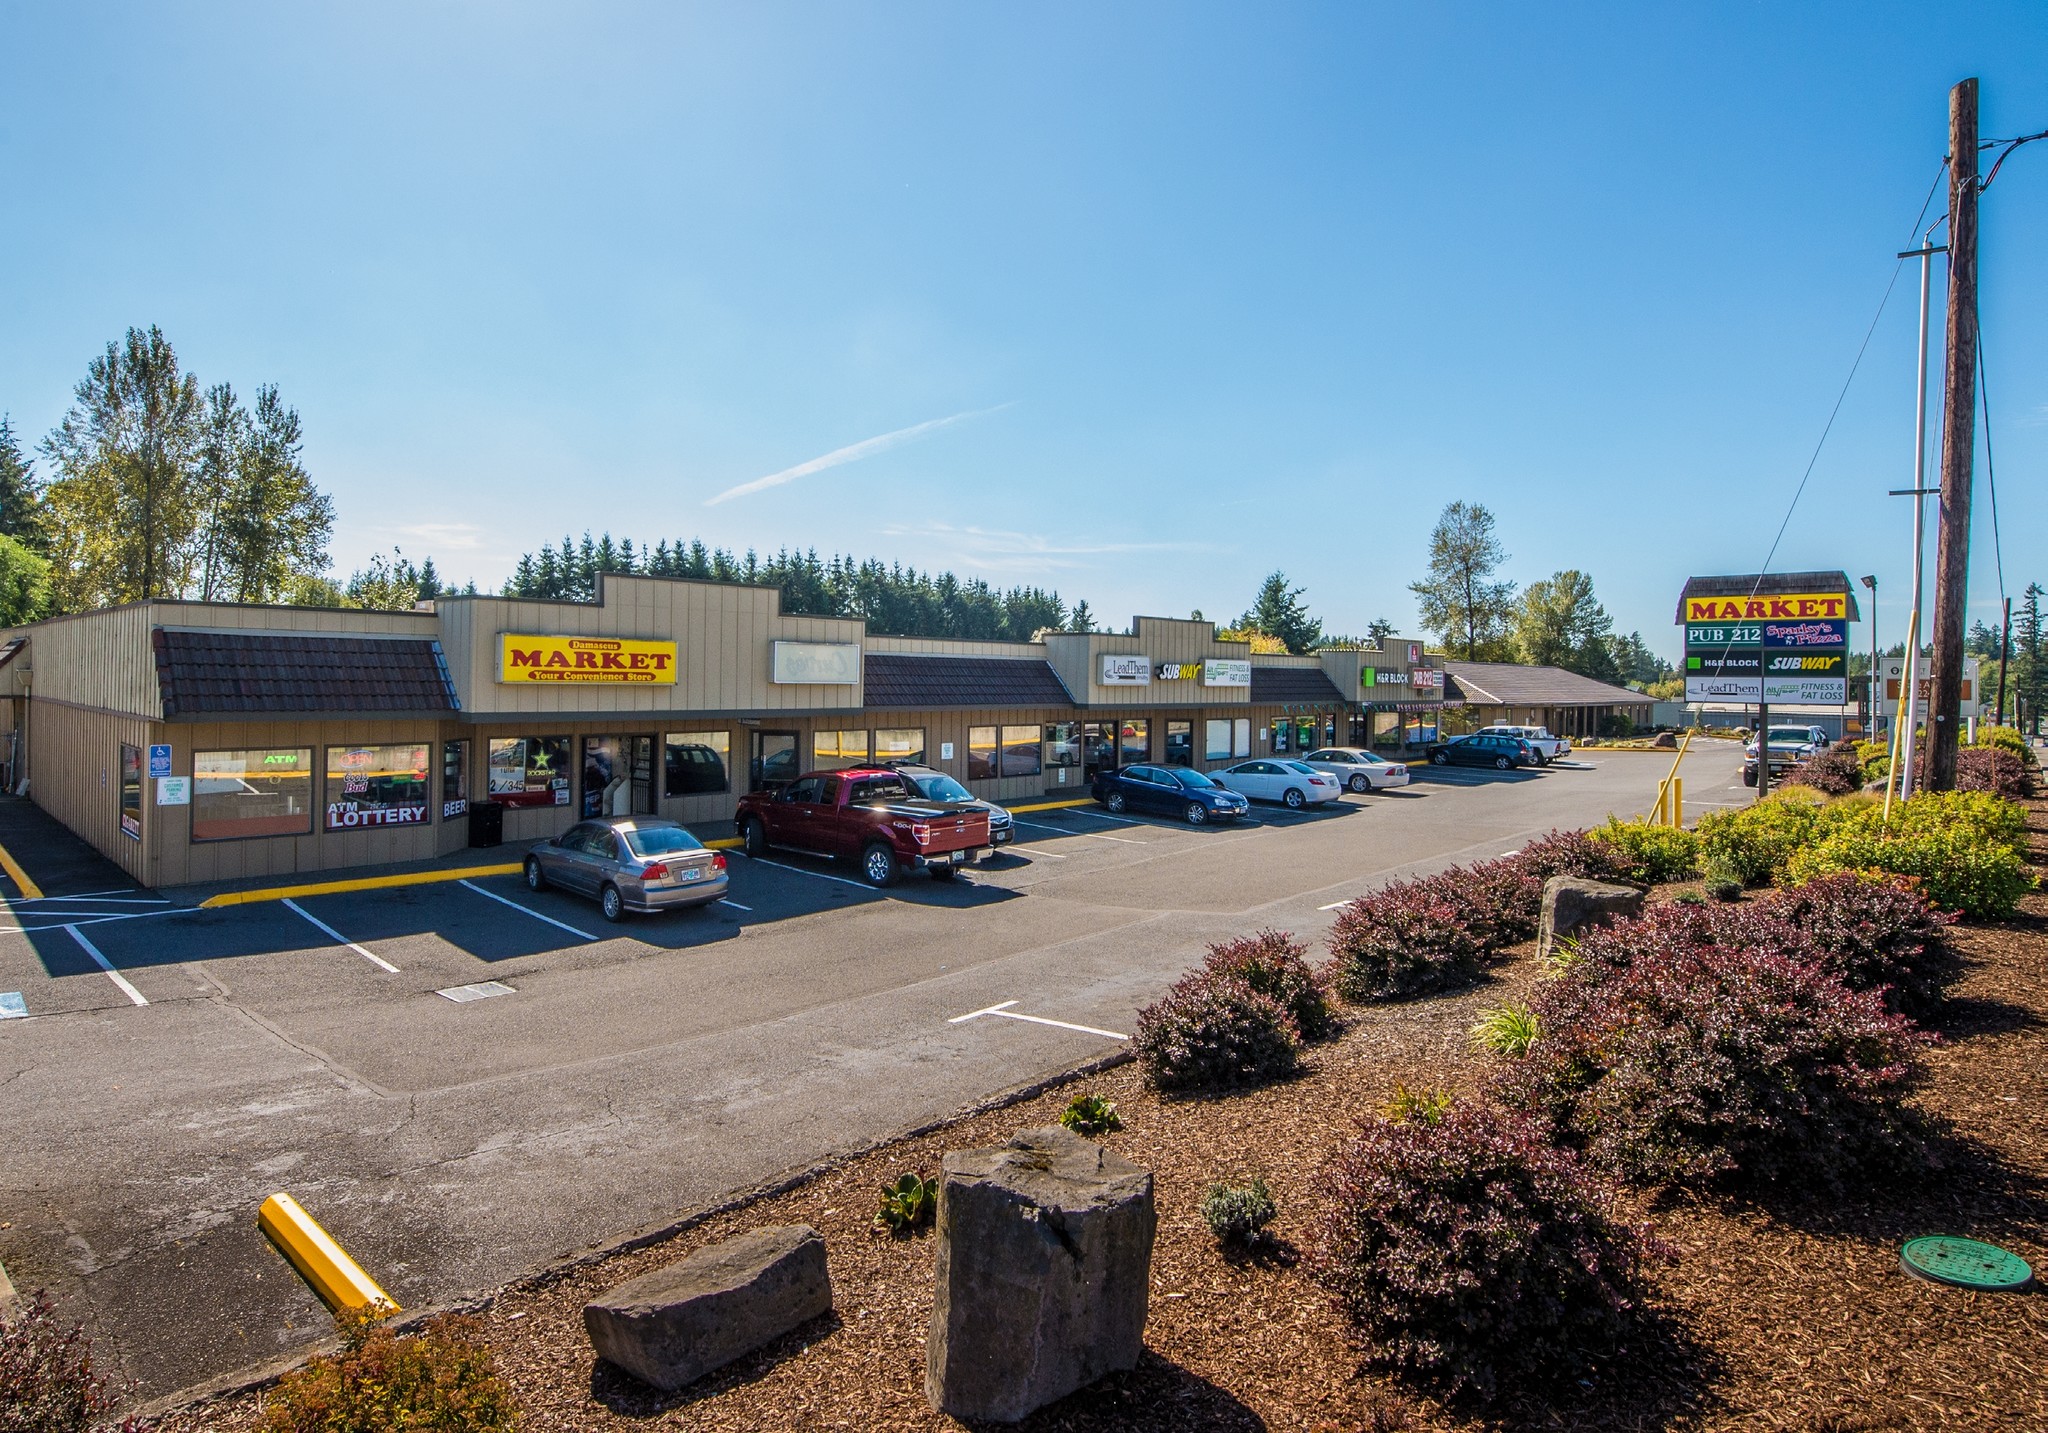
<point>1197,814</point>
<point>1114,801</point>
<point>536,878</point>
<point>1294,800</point>
<point>878,865</point>
<point>611,903</point>
<point>1503,763</point>
<point>1749,778</point>
<point>753,837</point>
<point>1360,785</point>
<point>1439,758</point>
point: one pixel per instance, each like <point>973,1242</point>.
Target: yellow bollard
<point>334,1276</point>
<point>1678,801</point>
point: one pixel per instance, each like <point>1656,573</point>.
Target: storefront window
<point>1180,743</point>
<point>1062,744</point>
<point>836,750</point>
<point>1216,739</point>
<point>252,793</point>
<point>529,770</point>
<point>131,792</point>
<point>1020,750</point>
<point>696,763</point>
<point>1241,737</point>
<point>618,776</point>
<point>376,786</point>
<point>981,753</point>
<point>1134,742</point>
<point>905,743</point>
<point>454,779</point>
<point>1305,737</point>
<point>1283,729</point>
<point>1386,728</point>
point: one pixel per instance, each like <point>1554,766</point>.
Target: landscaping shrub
<point>1691,1064</point>
<point>1505,1030</point>
<point>48,1382</point>
<point>908,1204</point>
<point>1874,933</point>
<point>1990,768</point>
<point>1214,1033</point>
<point>1272,963</point>
<point>1967,849</point>
<point>1567,853</point>
<point>1408,939</point>
<point>2005,738</point>
<point>1502,901</point>
<point>439,1380</point>
<point>1876,757</point>
<point>1470,1251</point>
<point>1091,1115</point>
<point>1838,771</point>
<point>1650,854</point>
<point>1238,1213</point>
<point>1754,843</point>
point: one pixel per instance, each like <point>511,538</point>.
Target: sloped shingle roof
<point>901,679</point>
<point>246,673</point>
<point>1512,684</point>
<point>1274,686</point>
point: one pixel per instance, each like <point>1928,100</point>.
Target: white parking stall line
<point>370,955</point>
<point>735,905</point>
<point>98,898</point>
<point>61,918</point>
<point>1004,1012</point>
<point>525,910</point>
<point>1091,835</point>
<point>107,965</point>
<point>816,875</point>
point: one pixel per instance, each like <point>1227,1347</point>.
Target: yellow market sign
<point>523,658</point>
<point>1784,607</point>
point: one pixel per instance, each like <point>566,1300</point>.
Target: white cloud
<point>449,536</point>
<point>999,550</point>
<point>851,453</point>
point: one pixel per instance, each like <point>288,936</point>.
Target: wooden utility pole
<point>1958,444</point>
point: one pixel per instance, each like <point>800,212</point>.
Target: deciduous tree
<point>1460,602</point>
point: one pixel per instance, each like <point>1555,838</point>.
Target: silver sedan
<point>629,863</point>
<point>1294,784</point>
<point>1358,769</point>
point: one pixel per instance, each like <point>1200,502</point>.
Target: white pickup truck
<point>1548,748</point>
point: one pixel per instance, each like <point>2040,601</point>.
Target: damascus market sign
<point>1747,644</point>
<point>523,658</point>
<point>1790,607</point>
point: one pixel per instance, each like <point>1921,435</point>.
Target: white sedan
<point>1294,784</point>
<point>1358,769</point>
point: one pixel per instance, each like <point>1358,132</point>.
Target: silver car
<point>1358,769</point>
<point>629,863</point>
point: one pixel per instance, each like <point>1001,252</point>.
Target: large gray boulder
<point>1572,905</point>
<point>1044,1264</point>
<point>678,1323</point>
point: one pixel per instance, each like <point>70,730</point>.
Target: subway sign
<point>523,658</point>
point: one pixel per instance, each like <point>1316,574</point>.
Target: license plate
<point>693,873</point>
<point>958,858</point>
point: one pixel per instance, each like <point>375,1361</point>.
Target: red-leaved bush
<point>1698,1064</point>
<point>1470,1251</point>
<point>1988,768</point>
<point>1568,853</point>
<point>1214,1032</point>
<point>49,1382</point>
<point>1836,771</point>
<point>1272,963</point>
<point>1410,938</point>
<point>1874,932</point>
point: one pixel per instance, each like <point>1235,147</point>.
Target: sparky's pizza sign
<point>1781,607</point>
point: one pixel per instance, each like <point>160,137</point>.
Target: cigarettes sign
<point>523,658</point>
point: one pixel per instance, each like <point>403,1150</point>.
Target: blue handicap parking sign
<point>160,760</point>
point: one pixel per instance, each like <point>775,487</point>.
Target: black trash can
<point>487,823</point>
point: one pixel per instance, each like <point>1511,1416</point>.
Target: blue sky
<point>1156,298</point>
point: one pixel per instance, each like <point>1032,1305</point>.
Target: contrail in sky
<point>851,453</point>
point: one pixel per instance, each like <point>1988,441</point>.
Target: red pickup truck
<point>868,814</point>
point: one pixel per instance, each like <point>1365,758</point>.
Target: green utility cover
<point>1966,1263</point>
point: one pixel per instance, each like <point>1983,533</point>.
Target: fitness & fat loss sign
<point>523,658</point>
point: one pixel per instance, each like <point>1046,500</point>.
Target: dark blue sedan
<point>1169,790</point>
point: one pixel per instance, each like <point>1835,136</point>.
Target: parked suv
<point>1503,753</point>
<point>1548,748</point>
<point>1790,745</point>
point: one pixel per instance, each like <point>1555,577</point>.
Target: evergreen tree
<point>1279,612</point>
<point>1378,630</point>
<point>1561,624</point>
<point>20,495</point>
<point>274,525</point>
<point>2030,674</point>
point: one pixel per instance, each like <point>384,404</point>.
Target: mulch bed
<point>1790,1314</point>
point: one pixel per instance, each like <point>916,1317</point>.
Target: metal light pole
<point>1909,672</point>
<point>1871,583</point>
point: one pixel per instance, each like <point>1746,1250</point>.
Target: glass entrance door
<point>618,776</point>
<point>772,760</point>
<point>1098,748</point>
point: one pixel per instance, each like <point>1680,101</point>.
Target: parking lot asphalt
<point>176,1066</point>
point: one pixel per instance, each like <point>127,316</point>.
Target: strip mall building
<point>199,742</point>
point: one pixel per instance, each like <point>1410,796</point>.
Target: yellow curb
<point>13,868</point>
<point>361,883</point>
<point>335,1277</point>
<point>1056,805</point>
